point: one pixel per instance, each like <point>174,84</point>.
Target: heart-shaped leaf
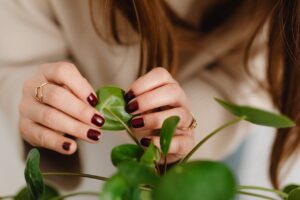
<point>151,156</point>
<point>166,133</point>
<point>197,180</point>
<point>136,173</point>
<point>112,106</point>
<point>294,194</point>
<point>287,189</point>
<point>126,152</point>
<point>33,175</point>
<point>114,188</point>
<point>49,193</point>
<point>258,116</point>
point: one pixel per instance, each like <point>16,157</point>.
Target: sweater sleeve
<point>29,37</point>
<point>226,78</point>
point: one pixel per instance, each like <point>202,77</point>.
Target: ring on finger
<point>192,125</point>
<point>39,92</point>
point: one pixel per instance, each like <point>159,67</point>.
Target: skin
<point>65,109</point>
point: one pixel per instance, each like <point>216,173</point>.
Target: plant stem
<point>7,197</point>
<point>211,134</point>
<point>89,193</point>
<point>75,174</point>
<point>128,130</point>
<point>255,195</point>
<point>165,164</point>
<point>248,187</point>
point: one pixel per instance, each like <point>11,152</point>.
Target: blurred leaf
<point>151,156</point>
<point>126,152</point>
<point>146,195</point>
<point>114,188</point>
<point>132,193</point>
<point>294,194</point>
<point>258,116</point>
<point>196,180</point>
<point>33,175</point>
<point>287,189</point>
<point>111,100</point>
<point>136,173</point>
<point>49,193</point>
<point>166,133</point>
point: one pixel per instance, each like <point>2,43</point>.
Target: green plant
<point>138,176</point>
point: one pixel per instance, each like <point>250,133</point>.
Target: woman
<point>202,44</point>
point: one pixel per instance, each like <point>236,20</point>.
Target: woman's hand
<point>155,97</point>
<point>66,110</point>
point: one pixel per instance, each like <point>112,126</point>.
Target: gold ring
<point>192,126</point>
<point>39,92</point>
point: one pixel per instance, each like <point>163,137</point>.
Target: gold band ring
<point>39,92</point>
<point>192,126</point>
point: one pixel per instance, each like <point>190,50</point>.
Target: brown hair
<point>160,30</point>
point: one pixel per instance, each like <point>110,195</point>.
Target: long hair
<point>160,31</point>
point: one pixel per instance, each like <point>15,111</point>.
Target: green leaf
<point>112,106</point>
<point>197,180</point>
<point>294,194</point>
<point>132,193</point>
<point>114,188</point>
<point>287,189</point>
<point>136,173</point>
<point>33,175</point>
<point>126,152</point>
<point>151,156</point>
<point>49,193</point>
<point>166,133</point>
<point>258,116</point>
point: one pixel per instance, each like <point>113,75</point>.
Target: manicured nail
<point>137,122</point>
<point>145,142</point>
<point>66,146</point>
<point>93,134</point>
<point>92,99</point>
<point>129,96</point>
<point>133,106</point>
<point>98,120</point>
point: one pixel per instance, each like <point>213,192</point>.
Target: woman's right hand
<point>67,109</point>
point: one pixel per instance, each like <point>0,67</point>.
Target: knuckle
<point>54,95</point>
<point>162,73</point>
<point>48,116</point>
<point>26,86</point>
<point>177,92</point>
<point>64,68</point>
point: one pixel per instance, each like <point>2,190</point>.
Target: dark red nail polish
<point>129,96</point>
<point>93,134</point>
<point>92,99</point>
<point>137,122</point>
<point>133,106</point>
<point>66,146</point>
<point>145,142</point>
<point>98,120</point>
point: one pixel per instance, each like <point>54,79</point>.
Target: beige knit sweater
<point>34,32</point>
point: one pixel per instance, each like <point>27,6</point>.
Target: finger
<point>67,74</point>
<point>167,95</point>
<point>58,121</point>
<point>155,120</point>
<point>155,78</point>
<point>38,135</point>
<point>62,99</point>
<point>180,144</point>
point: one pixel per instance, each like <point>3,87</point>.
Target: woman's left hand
<point>154,97</point>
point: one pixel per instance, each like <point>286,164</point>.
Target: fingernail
<point>93,135</point>
<point>133,106</point>
<point>129,96</point>
<point>145,142</point>
<point>92,99</point>
<point>98,120</point>
<point>137,122</point>
<point>66,146</point>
